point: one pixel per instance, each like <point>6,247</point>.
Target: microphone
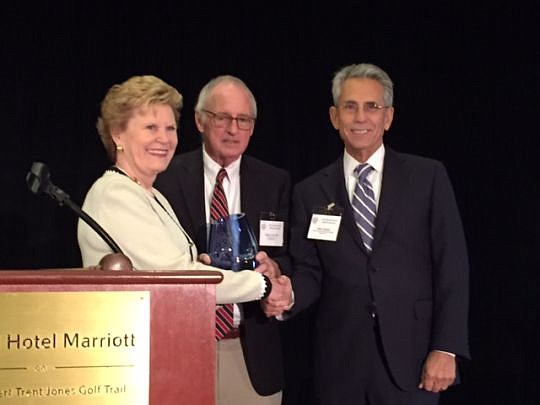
<point>38,180</point>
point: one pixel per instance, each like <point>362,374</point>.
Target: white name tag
<point>324,227</point>
<point>271,233</point>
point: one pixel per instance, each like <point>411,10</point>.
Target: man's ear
<point>199,122</point>
<point>333,112</point>
<point>388,118</point>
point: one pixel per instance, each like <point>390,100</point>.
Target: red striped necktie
<point>219,209</point>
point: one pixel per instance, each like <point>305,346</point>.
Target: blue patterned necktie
<point>364,206</point>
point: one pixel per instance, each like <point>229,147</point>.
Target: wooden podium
<point>182,304</point>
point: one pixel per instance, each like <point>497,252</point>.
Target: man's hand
<point>280,298</point>
<point>439,372</point>
<point>267,266</point>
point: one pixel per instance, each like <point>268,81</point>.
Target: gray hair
<point>363,70</point>
<point>206,92</point>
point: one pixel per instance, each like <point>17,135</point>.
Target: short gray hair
<point>363,70</point>
<point>206,91</point>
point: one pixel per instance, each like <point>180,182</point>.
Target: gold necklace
<point>122,171</point>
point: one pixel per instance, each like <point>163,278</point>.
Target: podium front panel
<point>182,347</point>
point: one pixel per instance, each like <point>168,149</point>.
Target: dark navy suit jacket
<point>417,273</point>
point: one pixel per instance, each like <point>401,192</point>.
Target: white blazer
<point>150,235</point>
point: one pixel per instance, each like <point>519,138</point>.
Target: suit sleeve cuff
<point>442,351</point>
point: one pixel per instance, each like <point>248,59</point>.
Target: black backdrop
<point>466,84</point>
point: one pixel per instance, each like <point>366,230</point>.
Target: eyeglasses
<point>222,120</point>
<point>368,107</point>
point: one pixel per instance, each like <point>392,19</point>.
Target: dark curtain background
<point>466,86</point>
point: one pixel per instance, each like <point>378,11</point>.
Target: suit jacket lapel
<point>333,186</point>
<point>250,195</point>
<point>192,185</point>
<point>394,180</point>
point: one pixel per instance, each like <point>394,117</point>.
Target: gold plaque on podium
<point>74,347</point>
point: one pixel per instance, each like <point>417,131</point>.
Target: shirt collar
<point>211,168</point>
<point>376,161</point>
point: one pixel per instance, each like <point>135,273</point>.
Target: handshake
<point>281,296</point>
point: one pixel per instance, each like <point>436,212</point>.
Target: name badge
<point>325,222</point>
<point>271,233</point>
<point>271,229</point>
<point>324,227</point>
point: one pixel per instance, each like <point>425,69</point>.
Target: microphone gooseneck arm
<point>94,225</point>
<point>38,180</point>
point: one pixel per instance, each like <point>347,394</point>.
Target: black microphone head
<point>38,178</point>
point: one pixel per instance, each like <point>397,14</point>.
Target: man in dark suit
<point>386,258</point>
<point>250,369</point>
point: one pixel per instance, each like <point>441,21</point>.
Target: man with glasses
<point>249,362</point>
<point>377,239</point>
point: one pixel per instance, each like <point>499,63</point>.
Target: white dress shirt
<point>375,177</point>
<point>231,184</point>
